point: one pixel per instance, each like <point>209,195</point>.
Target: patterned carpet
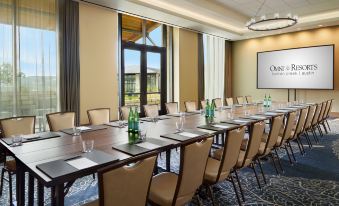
<point>313,180</point>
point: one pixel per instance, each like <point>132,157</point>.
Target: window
<point>28,59</point>
<point>143,69</point>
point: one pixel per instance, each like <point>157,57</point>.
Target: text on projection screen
<point>303,68</point>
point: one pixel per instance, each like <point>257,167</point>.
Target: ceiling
<point>227,18</point>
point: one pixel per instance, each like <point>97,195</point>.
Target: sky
<point>153,59</point>
<point>38,50</point>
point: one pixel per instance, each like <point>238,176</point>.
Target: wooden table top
<point>38,152</point>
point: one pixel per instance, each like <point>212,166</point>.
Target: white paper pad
<point>239,120</point>
<point>31,136</point>
<point>187,134</point>
<point>148,145</point>
<point>81,163</point>
<point>221,126</point>
<point>83,128</point>
<point>280,110</point>
<point>270,113</point>
<point>259,117</point>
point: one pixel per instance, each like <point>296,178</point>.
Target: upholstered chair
<point>124,112</point>
<point>203,104</point>
<point>172,107</point>
<point>23,125</point>
<point>218,102</point>
<point>191,106</point>
<point>219,170</point>
<point>299,129</point>
<point>99,116</point>
<point>249,99</point>
<point>126,183</point>
<point>229,101</point>
<point>151,110</point>
<point>61,120</point>
<point>240,100</point>
<point>171,189</point>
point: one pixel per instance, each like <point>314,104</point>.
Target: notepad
<point>270,113</point>
<point>31,136</point>
<point>81,163</point>
<point>188,134</point>
<point>280,110</point>
<point>148,145</point>
<point>258,117</point>
<point>221,126</point>
<point>83,128</point>
<point>242,121</point>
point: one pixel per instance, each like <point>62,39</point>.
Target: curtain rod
<point>143,17</point>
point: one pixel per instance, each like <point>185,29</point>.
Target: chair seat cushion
<point>10,165</point>
<point>211,172</point>
<point>241,160</point>
<point>217,154</point>
<point>93,203</point>
<point>163,188</point>
<point>278,143</point>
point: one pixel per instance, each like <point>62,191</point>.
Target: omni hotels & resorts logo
<point>294,69</point>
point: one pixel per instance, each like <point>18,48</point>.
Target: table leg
<point>20,184</point>
<point>168,160</point>
<point>30,190</point>
<point>59,195</point>
<point>40,194</point>
<point>53,200</point>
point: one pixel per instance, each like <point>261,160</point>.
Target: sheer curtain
<point>214,66</point>
<point>28,59</point>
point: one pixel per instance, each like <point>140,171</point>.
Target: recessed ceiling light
<point>320,25</point>
<point>298,29</point>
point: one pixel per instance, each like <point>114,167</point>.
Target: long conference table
<point>111,145</point>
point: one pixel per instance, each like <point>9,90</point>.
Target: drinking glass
<point>179,124</point>
<point>87,145</point>
<point>17,140</point>
<point>76,131</point>
<point>230,115</point>
<point>202,111</point>
<point>246,113</point>
<point>142,132</point>
<point>121,124</point>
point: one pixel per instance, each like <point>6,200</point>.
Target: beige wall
<point>245,63</point>
<point>98,60</point>
<point>185,66</point>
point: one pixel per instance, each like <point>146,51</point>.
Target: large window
<point>28,59</point>
<point>143,72</point>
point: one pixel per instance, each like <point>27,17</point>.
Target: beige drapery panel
<point>228,69</point>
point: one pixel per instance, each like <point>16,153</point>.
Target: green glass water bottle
<point>136,120</point>
<point>269,101</point>
<point>207,109</point>
<point>265,101</point>
<point>130,120</point>
<point>212,108</point>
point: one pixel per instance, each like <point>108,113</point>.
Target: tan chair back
<point>229,101</point>
<point>301,122</point>
<point>61,120</point>
<point>124,112</point>
<point>191,106</point>
<point>249,99</point>
<point>289,126</point>
<point>218,102</point>
<point>231,152</point>
<point>316,114</point>
<point>272,139</point>
<point>151,110</point>
<point>322,111</point>
<point>126,184</point>
<point>329,108</point>
<point>310,116</point>
<point>17,125</point>
<point>240,100</point>
<point>98,116</point>
<point>192,167</point>
<point>257,131</point>
<point>323,114</point>
<point>172,107</point>
<point>203,104</point>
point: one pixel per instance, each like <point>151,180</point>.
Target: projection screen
<point>300,68</point>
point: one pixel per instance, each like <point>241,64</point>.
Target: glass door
<point>132,77</point>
